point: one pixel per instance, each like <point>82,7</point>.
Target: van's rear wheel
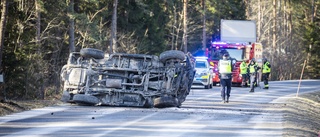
<point>86,100</point>
<point>148,103</point>
<point>92,53</point>
<point>171,54</point>
<point>165,101</point>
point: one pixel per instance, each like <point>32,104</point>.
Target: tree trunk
<point>259,20</point>
<point>204,36</point>
<point>312,20</point>
<point>113,40</point>
<point>248,9</point>
<point>2,33</point>
<point>274,27</point>
<point>38,43</point>
<point>71,26</point>
<point>173,46</point>
<point>3,28</point>
<point>38,24</point>
<point>185,29</point>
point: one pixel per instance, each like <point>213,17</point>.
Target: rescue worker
<point>266,69</point>
<point>225,74</point>
<point>253,72</point>
<point>244,72</point>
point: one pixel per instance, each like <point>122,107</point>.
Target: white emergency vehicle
<point>204,73</point>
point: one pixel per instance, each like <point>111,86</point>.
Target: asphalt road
<point>202,114</point>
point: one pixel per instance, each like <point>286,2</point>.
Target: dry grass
<point>302,116</point>
<point>13,106</point>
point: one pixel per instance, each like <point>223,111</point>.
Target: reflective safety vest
<point>252,68</point>
<point>243,68</point>
<point>266,68</point>
<point>225,66</point>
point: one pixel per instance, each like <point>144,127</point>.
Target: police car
<point>204,73</point>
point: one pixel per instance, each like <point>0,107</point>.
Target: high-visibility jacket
<point>253,67</point>
<point>243,68</point>
<point>225,66</point>
<point>266,67</point>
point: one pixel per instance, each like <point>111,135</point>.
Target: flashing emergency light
<point>219,43</point>
<point>228,43</point>
<point>201,57</point>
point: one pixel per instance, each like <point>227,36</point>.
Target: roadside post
<point>304,64</point>
<point>1,78</point>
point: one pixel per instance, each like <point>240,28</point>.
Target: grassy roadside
<point>301,116</point>
<point>11,106</point>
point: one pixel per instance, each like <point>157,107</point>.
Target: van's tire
<point>86,100</point>
<point>148,103</point>
<point>92,53</point>
<point>65,96</point>
<point>171,54</point>
<point>165,101</point>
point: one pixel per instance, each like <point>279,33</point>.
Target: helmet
<point>225,56</point>
<point>253,60</point>
<point>264,59</point>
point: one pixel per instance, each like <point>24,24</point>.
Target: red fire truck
<point>237,52</point>
<point>238,38</point>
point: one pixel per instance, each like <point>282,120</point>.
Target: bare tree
<point>2,27</point>
<point>71,26</point>
<point>204,38</point>
<point>274,27</point>
<point>38,43</point>
<point>38,23</point>
<point>185,41</point>
<point>176,27</point>
<point>2,32</point>
<point>113,40</point>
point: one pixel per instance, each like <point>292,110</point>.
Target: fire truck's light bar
<point>220,43</point>
<point>236,47</point>
<point>227,43</point>
<point>201,57</point>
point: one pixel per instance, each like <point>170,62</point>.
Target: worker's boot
<point>223,100</point>
<point>266,87</point>
<point>243,84</point>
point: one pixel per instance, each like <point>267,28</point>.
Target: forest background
<point>36,36</point>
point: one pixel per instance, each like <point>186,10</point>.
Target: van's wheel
<point>85,100</point>
<point>165,101</point>
<point>92,53</point>
<point>148,103</point>
<point>171,54</point>
<point>65,96</point>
